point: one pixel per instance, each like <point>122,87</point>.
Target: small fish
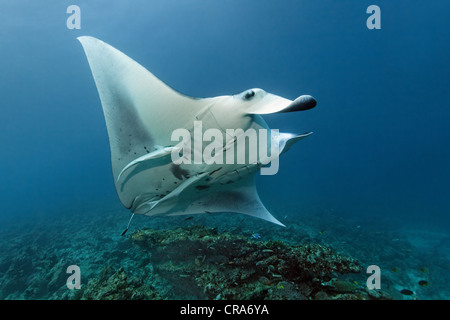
<point>423,283</point>
<point>423,269</point>
<point>407,292</point>
<point>256,236</point>
<point>394,269</point>
<point>189,218</point>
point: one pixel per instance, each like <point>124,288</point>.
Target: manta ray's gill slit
<point>202,187</point>
<point>214,171</point>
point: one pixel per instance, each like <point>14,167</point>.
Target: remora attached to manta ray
<point>141,112</point>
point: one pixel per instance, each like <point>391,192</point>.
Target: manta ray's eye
<point>249,94</point>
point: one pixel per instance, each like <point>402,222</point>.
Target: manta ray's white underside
<point>141,112</point>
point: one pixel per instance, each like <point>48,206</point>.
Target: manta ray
<point>142,113</point>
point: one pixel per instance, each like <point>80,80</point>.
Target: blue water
<point>380,149</point>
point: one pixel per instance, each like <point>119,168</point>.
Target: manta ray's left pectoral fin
<point>196,196</point>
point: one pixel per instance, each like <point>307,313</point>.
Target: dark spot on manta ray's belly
<point>178,172</point>
<point>201,187</point>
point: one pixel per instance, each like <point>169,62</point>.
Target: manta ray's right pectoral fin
<point>141,112</point>
<point>157,154</point>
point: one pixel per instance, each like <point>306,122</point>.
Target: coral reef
<point>317,256</point>
<point>200,262</point>
<point>115,285</point>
